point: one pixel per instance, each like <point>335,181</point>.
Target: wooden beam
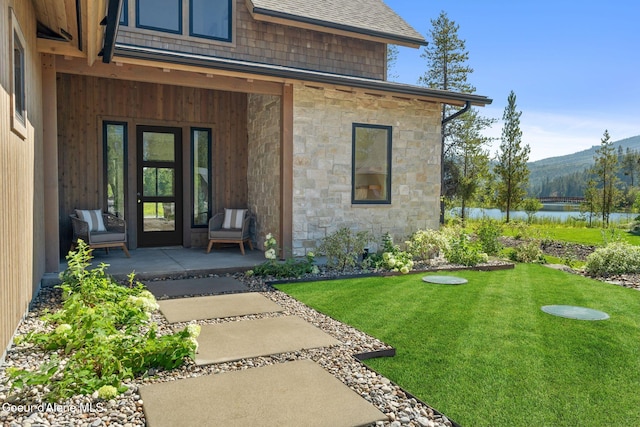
<point>50,168</point>
<point>286,171</point>
<point>59,48</point>
<point>176,77</point>
<point>93,11</point>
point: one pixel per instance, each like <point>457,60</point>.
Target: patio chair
<point>232,226</point>
<point>99,230</point>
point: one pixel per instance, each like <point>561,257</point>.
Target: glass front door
<point>159,186</point>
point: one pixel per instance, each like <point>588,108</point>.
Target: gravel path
<point>126,409</point>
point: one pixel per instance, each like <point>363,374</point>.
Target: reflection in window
<point>115,156</point>
<point>371,176</point>
<point>158,146</point>
<point>201,175</point>
<point>161,15</point>
<point>210,19</point>
<point>158,182</point>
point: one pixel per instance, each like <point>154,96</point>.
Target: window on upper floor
<point>161,15</point>
<point>124,14</point>
<point>19,87</point>
<point>211,19</point>
<point>371,166</point>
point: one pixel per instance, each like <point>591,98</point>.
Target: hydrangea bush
<point>615,258</point>
<point>111,339</point>
<point>424,245</point>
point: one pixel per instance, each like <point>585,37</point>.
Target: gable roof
<point>365,18</point>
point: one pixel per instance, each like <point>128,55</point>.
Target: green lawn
<point>582,235</point>
<point>486,355</point>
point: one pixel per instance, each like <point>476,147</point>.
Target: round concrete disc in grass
<point>444,280</point>
<point>573,312</point>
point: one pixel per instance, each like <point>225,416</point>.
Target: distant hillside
<point>546,172</point>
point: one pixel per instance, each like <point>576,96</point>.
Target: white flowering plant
<point>615,258</point>
<point>392,257</point>
<point>290,267</point>
<point>104,334</point>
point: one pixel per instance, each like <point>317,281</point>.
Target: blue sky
<point>574,66</point>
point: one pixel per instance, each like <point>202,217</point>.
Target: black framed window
<point>115,166</point>
<point>18,80</point>
<point>124,14</point>
<point>200,176</point>
<point>371,164</point>
<point>210,19</point>
<point>160,15</point>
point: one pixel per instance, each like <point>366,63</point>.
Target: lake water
<point>557,214</point>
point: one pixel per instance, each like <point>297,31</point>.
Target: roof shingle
<point>364,16</point>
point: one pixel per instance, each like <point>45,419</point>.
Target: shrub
<point>528,251</point>
<point>462,251</point>
<point>392,258</point>
<point>344,248</point>
<point>426,244</point>
<point>488,233</point>
<point>615,258</point>
<point>291,267</point>
<point>111,338</point>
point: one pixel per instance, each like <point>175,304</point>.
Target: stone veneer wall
<point>273,44</point>
<point>263,123</point>
<point>322,132</point>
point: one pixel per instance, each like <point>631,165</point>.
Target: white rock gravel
<point>126,410</point>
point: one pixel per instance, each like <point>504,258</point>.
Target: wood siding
<point>84,102</point>
<point>273,44</point>
<point>21,223</point>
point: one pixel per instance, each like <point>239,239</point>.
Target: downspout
<point>445,120</point>
<point>112,21</point>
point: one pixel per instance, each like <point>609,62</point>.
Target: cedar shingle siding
<point>274,44</point>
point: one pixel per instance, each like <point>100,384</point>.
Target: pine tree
<point>392,58</point>
<point>471,159</point>
<point>605,170</point>
<point>511,168</point>
<point>447,57</point>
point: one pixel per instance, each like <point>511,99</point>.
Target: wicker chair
<point>113,236</point>
<point>219,234</point>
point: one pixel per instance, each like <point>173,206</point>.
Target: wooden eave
<point>80,19</point>
<point>332,28</point>
<point>169,61</point>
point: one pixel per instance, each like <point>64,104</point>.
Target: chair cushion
<point>104,237</point>
<point>233,218</point>
<point>93,218</point>
<point>222,234</point>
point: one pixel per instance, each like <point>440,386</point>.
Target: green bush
<point>489,232</point>
<point>288,268</point>
<point>392,258</point>
<point>426,244</point>
<point>462,251</point>
<point>111,338</point>
<point>344,248</point>
<point>528,251</point>
<point>615,258</point>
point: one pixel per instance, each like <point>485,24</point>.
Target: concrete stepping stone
<point>299,393</point>
<point>216,307</point>
<point>231,341</point>
<point>199,286</point>
<point>574,312</point>
<point>444,280</point>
